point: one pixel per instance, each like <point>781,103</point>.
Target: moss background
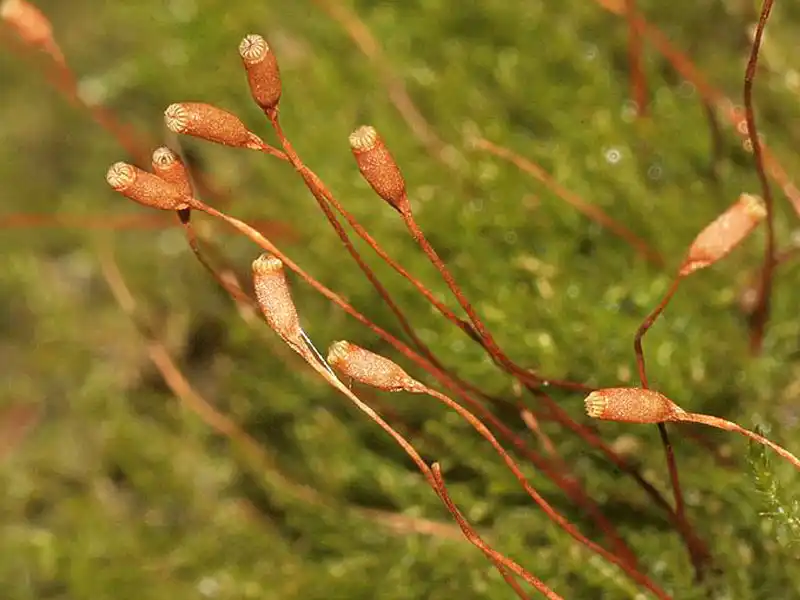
<point>117,492</point>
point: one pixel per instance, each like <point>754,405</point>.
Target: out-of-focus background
<point>113,486</point>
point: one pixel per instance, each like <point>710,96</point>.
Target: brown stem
<point>323,196</point>
<point>646,325</point>
<point>430,252</point>
<point>719,423</point>
<point>761,314</point>
<point>223,279</point>
<point>696,547</point>
<point>716,139</point>
<point>672,467</point>
<point>698,557</point>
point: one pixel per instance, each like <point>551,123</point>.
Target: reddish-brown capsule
<point>145,188</point>
<point>170,167</point>
<point>631,405</point>
<point>263,74</point>
<point>370,368</point>
<point>724,233</point>
<point>379,168</point>
<point>210,123</point>
<point>275,299</point>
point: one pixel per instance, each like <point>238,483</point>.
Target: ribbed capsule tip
<point>176,118</point>
<point>595,405</point>
<point>363,139</point>
<point>253,48</point>
<point>338,352</point>
<point>164,157</point>
<point>169,167</point>
<point>266,264</point>
<point>120,175</point>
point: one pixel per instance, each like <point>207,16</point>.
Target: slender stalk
<point>645,327</point>
<point>672,466</point>
<point>720,423</point>
<point>761,313</point>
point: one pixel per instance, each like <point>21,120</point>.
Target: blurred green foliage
<point>117,492</point>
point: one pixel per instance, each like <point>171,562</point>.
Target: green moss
<point>119,492</point>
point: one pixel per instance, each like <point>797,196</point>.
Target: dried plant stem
<point>717,141</point>
<point>672,467</point>
<point>559,474</point>
<point>590,211</point>
<point>323,196</point>
<point>696,547</point>
<point>720,423</point>
<point>762,310</point>
<point>110,222</point>
<point>501,562</point>
<point>487,338</point>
